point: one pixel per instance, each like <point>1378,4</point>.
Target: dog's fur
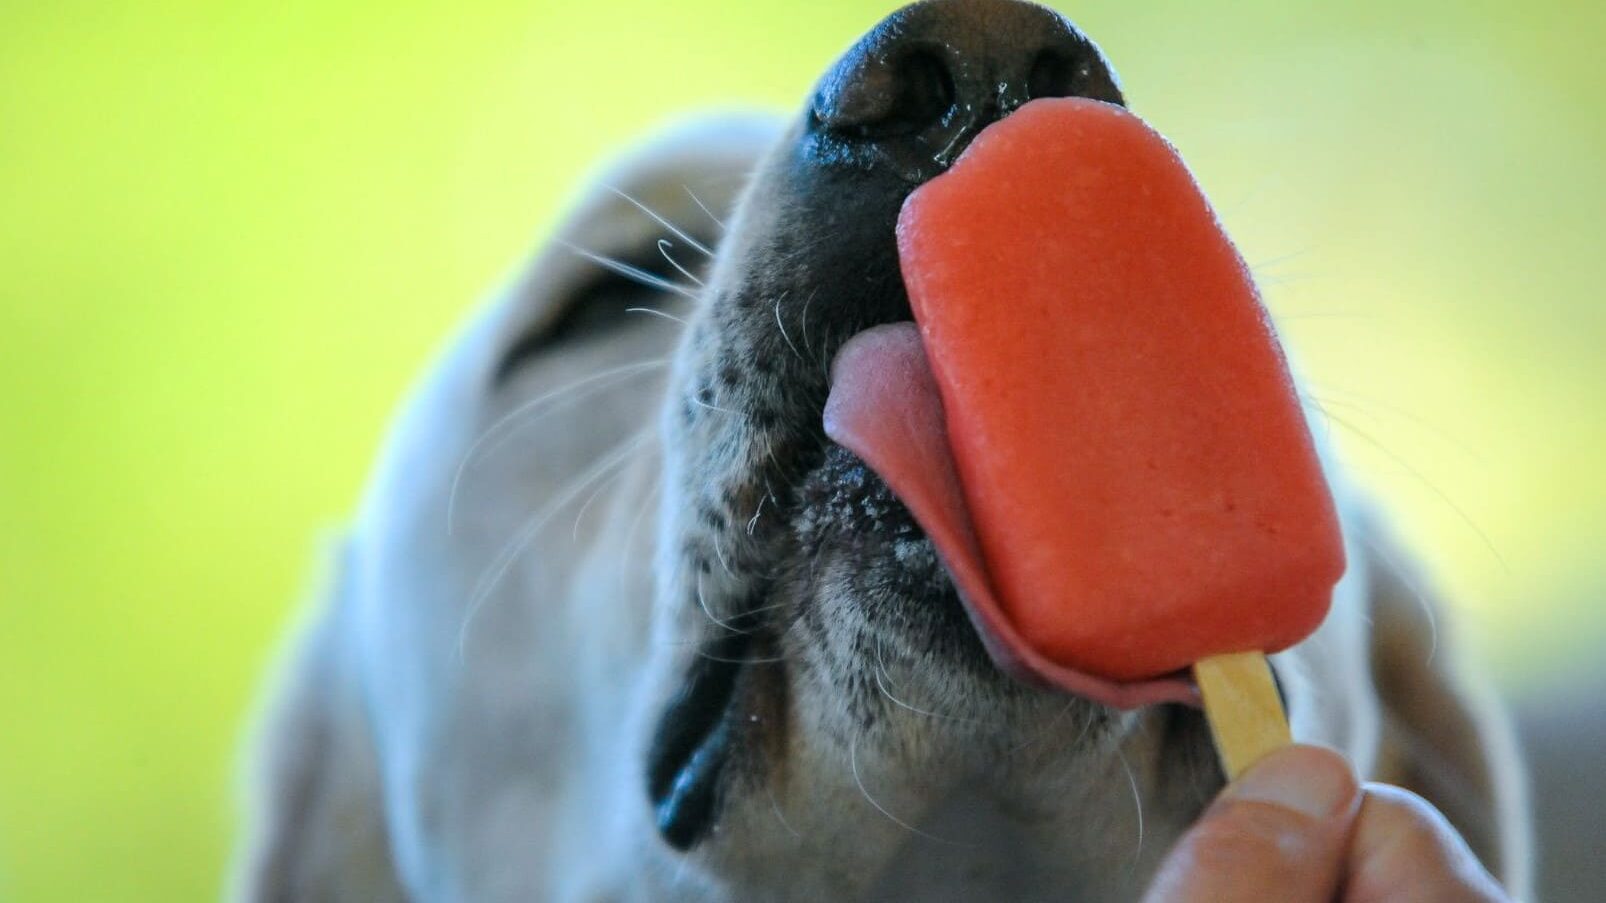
<point>616,622</point>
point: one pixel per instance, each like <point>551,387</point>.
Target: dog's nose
<point>922,83</point>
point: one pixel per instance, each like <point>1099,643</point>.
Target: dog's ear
<point>1442,737</point>
<point>315,829</point>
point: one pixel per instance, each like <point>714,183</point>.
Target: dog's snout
<point>924,81</point>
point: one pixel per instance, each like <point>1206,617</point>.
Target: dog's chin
<point>868,584</point>
<point>860,641</point>
<point>879,635</point>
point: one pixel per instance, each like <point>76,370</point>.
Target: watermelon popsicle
<point>1094,422</point>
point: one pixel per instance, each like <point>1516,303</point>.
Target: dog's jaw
<point>762,546</point>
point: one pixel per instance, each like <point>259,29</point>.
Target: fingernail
<point>1311,781</point>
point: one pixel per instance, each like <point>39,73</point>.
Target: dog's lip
<point>884,407</point>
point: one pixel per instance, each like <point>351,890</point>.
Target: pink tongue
<point>884,407</point>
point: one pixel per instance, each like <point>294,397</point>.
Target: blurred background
<point>231,235</point>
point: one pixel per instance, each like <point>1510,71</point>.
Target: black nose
<point>918,87</point>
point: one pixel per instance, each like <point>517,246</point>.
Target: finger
<point>1277,833</point>
<point>1402,848</point>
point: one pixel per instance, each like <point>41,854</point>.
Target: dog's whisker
<point>814,564</point>
<point>757,510</point>
<point>775,807</point>
<point>504,559</point>
<point>1311,402</point>
<point>712,407</point>
<point>1366,404</point>
<point>782,327</point>
<point>1431,486</point>
<point>1325,315</point>
<point>649,501</point>
<point>596,382</point>
<point>719,555</point>
<point>1409,579</point>
<point>1050,726</point>
<point>744,660</point>
<point>574,534</point>
<point>673,229</point>
<point>803,322</point>
<point>664,245</point>
<point>791,477</point>
<point>657,313</point>
<point>1277,261</point>
<point>727,626</point>
<point>1137,801</point>
<point>1254,193</point>
<point>1287,279</point>
<point>763,608</point>
<point>704,207</point>
<point>633,273</point>
<point>853,763</point>
<point>880,671</point>
<point>702,602</point>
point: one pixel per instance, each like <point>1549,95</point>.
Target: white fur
<point>484,741</point>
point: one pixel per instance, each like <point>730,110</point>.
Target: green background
<point>231,236</point>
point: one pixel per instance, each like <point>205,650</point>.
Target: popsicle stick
<point>1243,707</point>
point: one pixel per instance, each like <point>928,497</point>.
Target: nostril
<point>925,93</point>
<point>1072,70</point>
<point>1054,74</point>
<point>916,89</point>
<point>888,98</point>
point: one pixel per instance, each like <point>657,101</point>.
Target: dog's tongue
<point>885,408</point>
<point>1105,446</point>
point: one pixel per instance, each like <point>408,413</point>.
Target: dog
<point>615,621</point>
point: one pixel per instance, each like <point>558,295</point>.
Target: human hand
<point>1298,826</point>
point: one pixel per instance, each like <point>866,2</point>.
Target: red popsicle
<point>1132,486</point>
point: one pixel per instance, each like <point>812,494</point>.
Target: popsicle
<point>1095,423</point>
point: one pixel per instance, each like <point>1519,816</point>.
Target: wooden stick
<point>1243,707</point>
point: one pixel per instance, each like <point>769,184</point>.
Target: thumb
<point>1279,832</point>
